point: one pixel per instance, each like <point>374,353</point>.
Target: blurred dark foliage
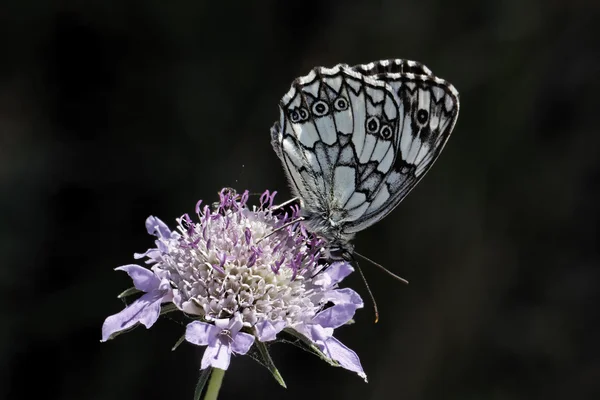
<point>113,111</point>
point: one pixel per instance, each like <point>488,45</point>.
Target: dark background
<point>111,111</point>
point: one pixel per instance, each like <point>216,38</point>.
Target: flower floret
<point>144,310</point>
<point>221,339</point>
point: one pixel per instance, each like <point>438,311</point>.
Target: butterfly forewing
<point>355,140</point>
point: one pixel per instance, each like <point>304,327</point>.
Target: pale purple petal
<point>166,291</point>
<point>304,329</point>
<point>144,310</point>
<point>338,271</point>
<point>162,249</point>
<point>143,279</point>
<point>222,323</point>
<point>200,333</point>
<point>156,227</point>
<point>160,273</point>
<point>216,356</point>
<point>342,296</point>
<point>137,256</point>
<point>235,324</point>
<point>179,301</point>
<point>267,330</point>
<point>242,343</point>
<point>334,274</point>
<point>186,306</point>
<point>317,333</point>
<point>333,348</point>
<point>335,316</point>
<point>347,358</point>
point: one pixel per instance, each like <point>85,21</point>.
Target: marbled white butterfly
<point>355,140</point>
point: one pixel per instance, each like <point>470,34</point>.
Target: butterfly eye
<point>372,125</point>
<point>303,112</point>
<point>294,116</point>
<point>341,104</point>
<point>422,117</point>
<point>386,132</point>
<point>320,108</point>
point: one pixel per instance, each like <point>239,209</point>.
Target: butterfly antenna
<point>280,228</point>
<point>382,268</point>
<point>368,290</point>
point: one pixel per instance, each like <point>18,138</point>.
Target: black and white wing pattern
<point>355,140</point>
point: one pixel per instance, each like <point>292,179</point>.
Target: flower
<point>222,338</point>
<point>243,275</point>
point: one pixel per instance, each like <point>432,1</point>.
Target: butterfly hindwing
<point>355,140</point>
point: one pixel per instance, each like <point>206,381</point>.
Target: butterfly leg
<point>285,203</point>
<point>292,222</point>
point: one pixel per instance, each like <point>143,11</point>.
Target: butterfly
<point>354,141</point>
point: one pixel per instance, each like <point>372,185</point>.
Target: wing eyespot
<point>320,108</point>
<point>422,116</point>
<point>372,124</point>
<point>340,104</point>
<point>303,112</point>
<point>386,132</point>
<point>294,115</point>
<point>298,114</point>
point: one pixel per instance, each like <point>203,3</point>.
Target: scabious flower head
<point>242,274</point>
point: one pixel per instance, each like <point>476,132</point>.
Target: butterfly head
<point>340,252</point>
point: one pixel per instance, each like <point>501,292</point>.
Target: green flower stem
<point>214,384</point>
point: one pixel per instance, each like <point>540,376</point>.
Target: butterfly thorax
<point>329,225</point>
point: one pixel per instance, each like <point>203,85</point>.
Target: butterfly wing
<point>428,110</point>
<point>328,138</point>
<point>348,140</point>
